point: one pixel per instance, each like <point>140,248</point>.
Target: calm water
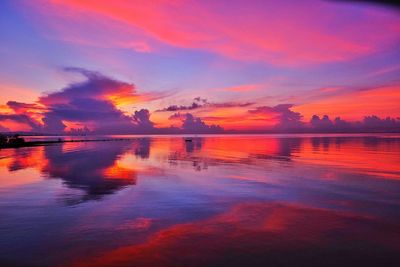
<point>216,201</point>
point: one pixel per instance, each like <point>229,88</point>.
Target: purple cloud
<point>91,103</point>
<point>174,108</point>
<point>368,124</point>
<point>90,106</point>
<point>142,120</point>
<point>199,102</point>
<point>4,129</point>
<point>19,107</point>
<point>21,118</point>
<point>286,118</point>
<point>192,124</point>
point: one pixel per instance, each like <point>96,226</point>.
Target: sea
<point>202,200</point>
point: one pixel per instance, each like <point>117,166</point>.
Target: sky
<point>172,66</point>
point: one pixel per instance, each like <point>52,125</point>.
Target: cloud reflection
<point>93,168</point>
<point>103,168</point>
<point>259,234</point>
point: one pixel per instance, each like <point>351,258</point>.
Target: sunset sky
<point>139,66</point>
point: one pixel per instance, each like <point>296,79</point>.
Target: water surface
<point>285,200</point>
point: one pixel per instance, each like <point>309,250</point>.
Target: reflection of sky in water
<point>131,200</point>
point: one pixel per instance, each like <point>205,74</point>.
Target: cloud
<point>285,118</point>
<point>142,119</point>
<point>192,124</point>
<point>93,102</point>
<point>178,115</point>
<point>92,106</point>
<point>352,103</point>
<point>368,124</point>
<point>20,108</point>
<point>199,102</point>
<point>141,47</point>
<point>231,104</point>
<point>4,129</point>
<point>243,88</point>
<point>96,86</point>
<point>324,123</point>
<point>28,114</point>
<point>53,124</point>
<point>174,108</point>
<point>376,122</point>
<point>274,32</point>
<point>21,118</point>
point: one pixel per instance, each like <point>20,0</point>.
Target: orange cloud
<point>243,88</point>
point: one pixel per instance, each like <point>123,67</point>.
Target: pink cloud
<point>243,88</point>
<point>138,46</point>
<point>277,32</point>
